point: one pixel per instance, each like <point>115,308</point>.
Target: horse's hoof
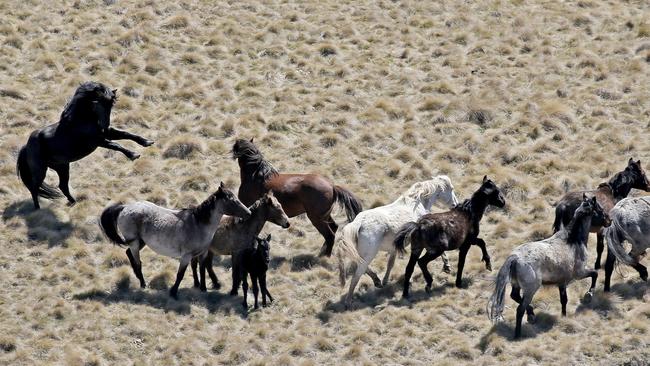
<point>446,269</point>
<point>488,266</point>
<point>143,285</point>
<point>428,289</point>
<point>233,293</point>
<point>378,285</point>
<point>531,318</point>
<point>174,295</point>
<point>597,266</point>
<point>216,286</point>
<point>146,143</point>
<point>588,296</point>
<point>134,156</point>
<point>203,289</point>
<point>71,203</point>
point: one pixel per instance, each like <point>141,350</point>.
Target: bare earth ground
<point>543,96</point>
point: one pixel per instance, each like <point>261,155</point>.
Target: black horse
<point>83,127</point>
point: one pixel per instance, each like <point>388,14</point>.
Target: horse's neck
<point>478,206</point>
<point>418,207</point>
<point>621,186</point>
<point>579,229</point>
<point>257,220</point>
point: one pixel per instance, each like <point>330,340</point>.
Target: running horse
<point>311,194</point>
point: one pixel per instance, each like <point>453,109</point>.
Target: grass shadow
<point>42,225</point>
<point>303,262</point>
<point>604,303</point>
<point>544,322</point>
<point>633,288</point>
<point>213,301</point>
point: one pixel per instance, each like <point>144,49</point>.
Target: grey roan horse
<point>183,234</point>
<point>83,127</point>
<point>235,234</point>
<point>557,260</point>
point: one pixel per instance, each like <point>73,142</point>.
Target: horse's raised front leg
<point>389,267</point>
<point>600,246</point>
<point>63,171</point>
<point>115,134</point>
<point>185,260</point>
<point>486,257</point>
<point>461,263</point>
<point>117,147</point>
<point>584,273</point>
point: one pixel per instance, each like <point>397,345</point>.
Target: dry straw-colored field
<point>542,96</point>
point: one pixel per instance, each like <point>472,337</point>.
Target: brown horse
<point>298,193</point>
<point>607,194</point>
<point>454,229</point>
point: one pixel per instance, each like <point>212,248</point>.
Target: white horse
<point>375,229</point>
<point>631,222</point>
<point>180,234</point>
<point>557,260</point>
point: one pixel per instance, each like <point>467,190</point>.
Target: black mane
<point>81,103</point>
<point>578,233</point>
<point>253,161</point>
<point>202,211</point>
<point>621,183</point>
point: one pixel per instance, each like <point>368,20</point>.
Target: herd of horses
<point>229,224</point>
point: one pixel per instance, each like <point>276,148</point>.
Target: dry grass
<point>543,97</point>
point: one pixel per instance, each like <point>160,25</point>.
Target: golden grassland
<point>542,96</point>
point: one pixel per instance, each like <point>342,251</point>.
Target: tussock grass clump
<point>177,21</point>
<point>183,147</point>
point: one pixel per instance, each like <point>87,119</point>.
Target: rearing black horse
<point>83,127</point>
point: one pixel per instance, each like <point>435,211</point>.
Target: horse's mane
<point>574,231</point>
<point>621,183</point>
<point>202,211</point>
<point>426,188</point>
<point>250,156</point>
<point>80,101</point>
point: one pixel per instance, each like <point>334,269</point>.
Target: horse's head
<point>491,191</point>
<point>244,147</point>
<point>590,206</point>
<point>91,102</point>
<point>636,172</point>
<point>230,204</point>
<point>447,194</point>
<point>275,213</point>
<point>262,248</point>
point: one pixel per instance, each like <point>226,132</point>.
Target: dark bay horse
<point>298,193</point>
<point>454,229</point>
<point>83,127</point>
<point>607,194</point>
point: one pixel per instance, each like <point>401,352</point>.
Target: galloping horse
<point>183,234</point>
<point>297,193</point>
<point>83,127</point>
<point>607,194</point>
<point>557,260</point>
<point>455,229</point>
<point>374,230</point>
<point>631,222</point>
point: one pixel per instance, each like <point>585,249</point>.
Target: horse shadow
<point>634,288</point>
<point>544,322</point>
<point>212,301</point>
<point>42,225</point>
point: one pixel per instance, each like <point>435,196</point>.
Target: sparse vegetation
<point>542,97</point>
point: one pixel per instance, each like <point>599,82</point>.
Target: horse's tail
<point>347,239</point>
<point>615,236</point>
<point>495,304</point>
<point>346,199</point>
<point>402,234</point>
<point>108,223</point>
<point>23,171</point>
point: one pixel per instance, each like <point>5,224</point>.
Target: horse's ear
<point>485,178</point>
<point>268,238</point>
<point>593,200</point>
<point>638,162</point>
<point>114,91</point>
<point>251,140</point>
<point>584,197</point>
<point>630,162</point>
<point>221,186</point>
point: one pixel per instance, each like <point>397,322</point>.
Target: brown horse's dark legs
<point>609,269</point>
<point>461,264</point>
<point>324,228</point>
<point>600,246</point>
<point>415,255</point>
<point>117,147</point>
<point>63,171</point>
<point>486,257</point>
<point>213,276</point>
<point>422,262</point>
<point>115,134</point>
